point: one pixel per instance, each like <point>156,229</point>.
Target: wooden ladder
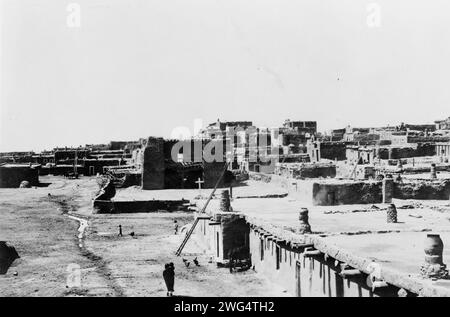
<point>191,230</point>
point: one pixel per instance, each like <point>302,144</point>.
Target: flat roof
<point>18,165</point>
<point>362,232</point>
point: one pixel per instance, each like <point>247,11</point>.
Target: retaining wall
<point>108,206</point>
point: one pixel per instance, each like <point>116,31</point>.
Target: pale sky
<point>136,68</point>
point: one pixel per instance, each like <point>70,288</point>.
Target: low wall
<point>108,206</point>
<point>423,189</point>
<point>309,171</point>
<point>421,150</point>
<point>11,177</point>
<point>347,193</point>
<point>61,170</point>
<point>306,276</point>
<point>317,193</point>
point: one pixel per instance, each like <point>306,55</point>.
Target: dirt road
<point>54,253</point>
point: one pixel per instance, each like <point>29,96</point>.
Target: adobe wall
<point>306,276</point>
<point>153,168</point>
<point>211,174</point>
<point>112,207</point>
<point>395,153</point>
<point>224,232</point>
<point>325,193</point>
<point>11,177</point>
<point>315,171</point>
<point>422,189</point>
<point>333,150</point>
<point>347,193</point>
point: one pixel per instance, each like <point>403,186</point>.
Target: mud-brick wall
<point>306,277</point>
<point>235,234</point>
<point>153,168</point>
<point>315,171</point>
<point>206,235</point>
<point>333,150</point>
<point>347,193</point>
<point>108,206</point>
<point>423,189</point>
<point>422,149</point>
<point>11,177</point>
<point>223,233</point>
<point>212,172</point>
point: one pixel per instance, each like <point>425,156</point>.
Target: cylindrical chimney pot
<point>433,171</point>
<point>225,201</point>
<point>391,213</point>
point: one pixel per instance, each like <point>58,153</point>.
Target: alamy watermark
<point>73,19</point>
<point>373,19</point>
<point>73,275</point>
<point>215,144</point>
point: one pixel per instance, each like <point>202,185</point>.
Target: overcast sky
<point>136,68</point>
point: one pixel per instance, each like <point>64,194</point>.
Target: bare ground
<point>38,226</point>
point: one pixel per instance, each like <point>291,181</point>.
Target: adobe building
<point>443,124</point>
<point>160,170</point>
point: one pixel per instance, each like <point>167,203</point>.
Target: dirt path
<point>55,232</point>
<point>35,221</point>
<point>137,262</point>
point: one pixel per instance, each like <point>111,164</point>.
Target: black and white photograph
<point>224,155</point>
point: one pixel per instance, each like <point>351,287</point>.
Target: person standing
<point>120,231</point>
<point>175,226</point>
<point>169,278</point>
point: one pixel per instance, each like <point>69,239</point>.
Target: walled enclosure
<point>347,193</point>
<point>11,175</point>
<point>113,207</point>
<point>338,192</point>
<point>307,170</point>
<point>423,189</point>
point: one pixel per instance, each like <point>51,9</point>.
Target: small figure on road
<point>169,278</point>
<point>120,231</point>
<point>175,226</point>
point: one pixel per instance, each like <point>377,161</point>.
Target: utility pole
<point>75,163</point>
